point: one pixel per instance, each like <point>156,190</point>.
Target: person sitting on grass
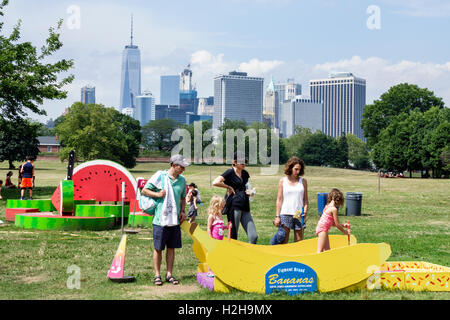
<point>8,182</point>
<point>330,218</point>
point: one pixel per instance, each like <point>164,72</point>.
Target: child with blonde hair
<point>330,218</point>
<point>216,225</point>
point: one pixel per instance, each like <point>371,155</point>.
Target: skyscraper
<point>88,94</point>
<point>344,98</point>
<point>301,111</point>
<point>188,93</point>
<point>238,97</point>
<point>145,108</point>
<point>170,90</point>
<point>130,85</point>
<point>271,105</point>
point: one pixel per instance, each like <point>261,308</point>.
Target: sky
<point>386,42</point>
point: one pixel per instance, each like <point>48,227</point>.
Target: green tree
<point>294,142</point>
<point>358,155</point>
<point>399,99</point>
<point>340,159</point>
<point>318,150</point>
<point>157,134</point>
<point>18,139</point>
<point>27,77</point>
<point>96,132</point>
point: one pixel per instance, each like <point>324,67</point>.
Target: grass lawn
<point>412,215</point>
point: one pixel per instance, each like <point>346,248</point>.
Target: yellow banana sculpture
<point>245,266</point>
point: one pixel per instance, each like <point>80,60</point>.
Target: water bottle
<point>248,186</point>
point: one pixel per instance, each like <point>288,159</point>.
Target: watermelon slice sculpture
<point>62,198</point>
<point>102,180</point>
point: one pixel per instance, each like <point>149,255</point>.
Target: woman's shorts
<point>26,183</point>
<point>291,223</point>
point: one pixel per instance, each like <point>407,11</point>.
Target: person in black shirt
<point>237,208</point>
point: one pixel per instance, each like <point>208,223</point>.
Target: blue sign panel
<point>292,277</point>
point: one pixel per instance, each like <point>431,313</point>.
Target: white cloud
<point>255,67</point>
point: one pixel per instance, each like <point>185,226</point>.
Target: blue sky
<point>296,39</point>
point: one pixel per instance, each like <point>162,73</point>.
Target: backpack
<point>148,204</point>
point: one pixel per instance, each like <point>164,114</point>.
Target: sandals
<point>157,281</point>
<point>172,280</point>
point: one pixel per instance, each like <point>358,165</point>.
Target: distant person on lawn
<point>27,172</point>
<point>169,185</point>
<point>8,182</point>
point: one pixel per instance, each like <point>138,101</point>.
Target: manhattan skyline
<point>265,38</point>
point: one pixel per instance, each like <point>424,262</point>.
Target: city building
<point>205,106</point>
<point>301,111</point>
<point>130,85</point>
<point>128,112</point>
<point>163,111</point>
<point>271,105</point>
<point>145,108</point>
<point>237,97</point>
<point>170,90</point>
<point>191,118</point>
<point>344,98</point>
<point>288,90</point>
<point>188,92</point>
<point>88,95</point>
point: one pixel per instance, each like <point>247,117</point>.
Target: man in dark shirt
<point>27,172</point>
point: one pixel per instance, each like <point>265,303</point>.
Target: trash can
<point>353,203</point>
<point>321,202</point>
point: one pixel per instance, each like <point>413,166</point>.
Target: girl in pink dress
<point>215,226</point>
<point>328,219</point>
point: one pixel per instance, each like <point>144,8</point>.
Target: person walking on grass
<point>27,172</point>
<point>170,187</point>
<point>292,201</point>
<point>330,218</point>
<point>237,205</point>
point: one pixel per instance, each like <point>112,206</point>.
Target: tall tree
<point>358,154</point>
<point>18,140</point>
<point>96,132</point>
<point>27,77</point>
<point>399,99</point>
<point>157,134</point>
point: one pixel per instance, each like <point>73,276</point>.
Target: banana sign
<point>292,277</point>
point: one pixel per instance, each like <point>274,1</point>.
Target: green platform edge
<point>44,205</point>
<point>101,211</point>
<point>67,224</point>
<point>140,221</point>
<point>67,196</point>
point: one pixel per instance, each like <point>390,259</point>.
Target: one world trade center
<point>130,85</point>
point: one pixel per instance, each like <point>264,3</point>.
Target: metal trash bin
<point>321,202</point>
<point>353,202</point>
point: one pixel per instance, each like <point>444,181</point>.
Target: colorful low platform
<point>44,205</point>
<point>51,221</point>
<point>11,212</point>
<point>140,219</point>
<point>411,275</point>
<point>93,210</point>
